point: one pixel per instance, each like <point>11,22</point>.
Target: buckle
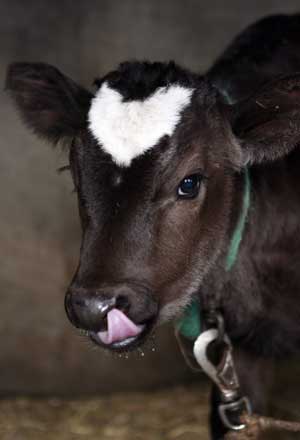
<point>231,413</point>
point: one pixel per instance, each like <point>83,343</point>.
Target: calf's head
<point>155,156</point>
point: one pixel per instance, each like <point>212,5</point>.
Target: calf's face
<point>150,228</point>
<point>153,157</point>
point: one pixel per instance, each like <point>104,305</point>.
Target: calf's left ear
<point>268,123</point>
<point>50,103</point>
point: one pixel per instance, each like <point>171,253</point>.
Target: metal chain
<point>255,425</point>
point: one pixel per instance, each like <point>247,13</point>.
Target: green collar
<point>189,325</point>
<point>240,227</point>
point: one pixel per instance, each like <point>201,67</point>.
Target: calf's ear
<point>268,123</point>
<point>51,104</point>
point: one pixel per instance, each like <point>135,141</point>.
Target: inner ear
<point>268,123</point>
<point>49,102</point>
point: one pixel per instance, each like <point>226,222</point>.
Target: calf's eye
<point>189,187</point>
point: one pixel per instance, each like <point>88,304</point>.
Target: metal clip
<point>223,374</point>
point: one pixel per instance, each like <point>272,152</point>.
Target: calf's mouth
<point>121,333</point>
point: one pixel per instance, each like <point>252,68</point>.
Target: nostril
<point>122,303</point>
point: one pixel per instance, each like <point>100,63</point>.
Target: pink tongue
<point>119,328</point>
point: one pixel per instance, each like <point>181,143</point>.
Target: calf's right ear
<point>51,104</point>
<point>267,124</point>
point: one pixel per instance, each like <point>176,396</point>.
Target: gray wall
<point>39,233</point>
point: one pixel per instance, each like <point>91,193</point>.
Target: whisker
<point>63,168</point>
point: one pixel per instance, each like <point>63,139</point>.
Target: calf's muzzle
<point>115,316</point>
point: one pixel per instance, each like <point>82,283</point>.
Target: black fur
<point>138,80</point>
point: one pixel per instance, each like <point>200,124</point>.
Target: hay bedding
<point>179,413</point>
<point>172,414</point>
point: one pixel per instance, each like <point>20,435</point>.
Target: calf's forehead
<point>127,129</point>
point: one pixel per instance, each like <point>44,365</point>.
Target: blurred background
<point>41,355</point>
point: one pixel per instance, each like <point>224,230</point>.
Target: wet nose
<point>88,311</point>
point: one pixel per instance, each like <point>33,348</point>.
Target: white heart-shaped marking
<point>126,130</point>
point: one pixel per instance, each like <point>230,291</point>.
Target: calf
<point>161,158</point>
